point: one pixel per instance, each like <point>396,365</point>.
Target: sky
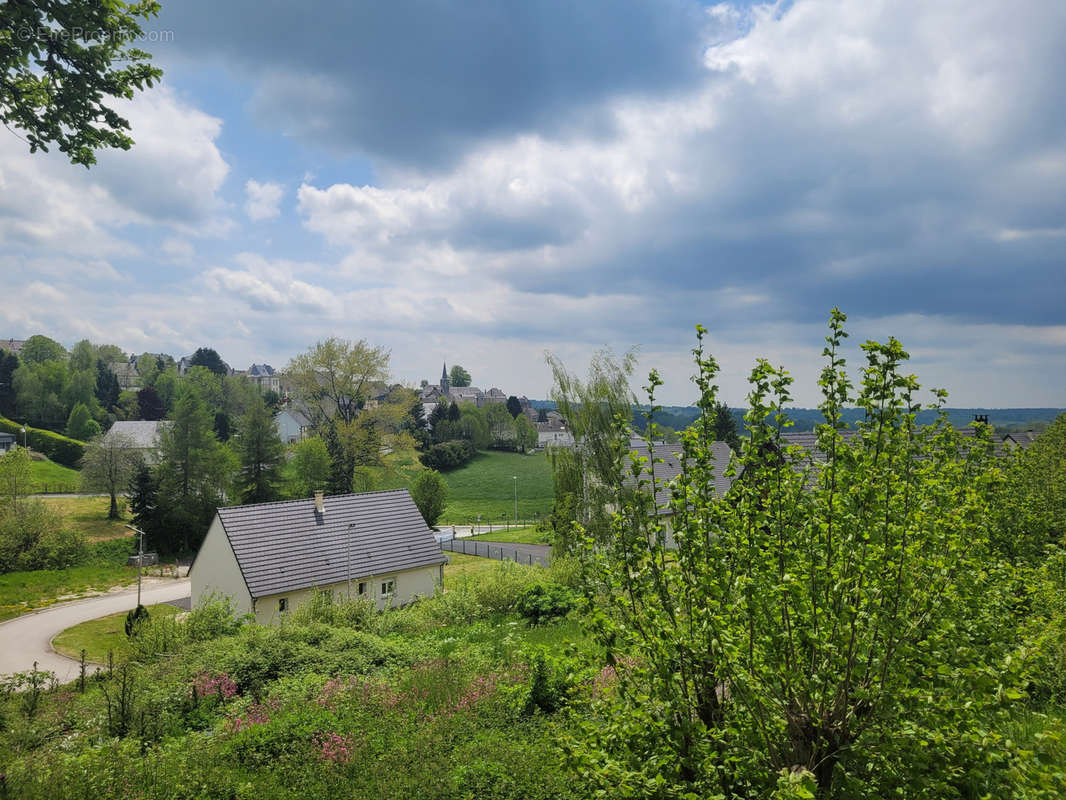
<point>482,183</point>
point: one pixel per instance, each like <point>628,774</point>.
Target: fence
<point>54,488</point>
<point>501,552</point>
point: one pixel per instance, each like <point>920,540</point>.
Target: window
<point>387,588</point>
<point>283,604</point>
<point>362,588</point>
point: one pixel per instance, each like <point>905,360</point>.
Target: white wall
<point>215,571</point>
<point>421,582</point>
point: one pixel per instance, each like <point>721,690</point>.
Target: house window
<point>362,587</point>
<point>283,604</point>
<point>388,588</point>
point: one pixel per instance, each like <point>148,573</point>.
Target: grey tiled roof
<point>808,440</point>
<point>670,468</point>
<point>144,434</point>
<point>287,546</point>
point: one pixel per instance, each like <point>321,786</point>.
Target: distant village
<point>294,424</point>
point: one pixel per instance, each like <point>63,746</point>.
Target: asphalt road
<point>28,638</point>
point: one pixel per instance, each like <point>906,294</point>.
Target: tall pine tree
<point>261,454</point>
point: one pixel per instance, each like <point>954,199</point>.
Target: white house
<point>7,442</point>
<point>271,557</point>
<point>293,425</point>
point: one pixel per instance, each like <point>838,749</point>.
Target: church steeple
<point>445,384</point>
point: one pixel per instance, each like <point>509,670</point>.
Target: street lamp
<point>515,479</point>
<point>25,436</point>
<point>140,560</point>
<point>348,556</point>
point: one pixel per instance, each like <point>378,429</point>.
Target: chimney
<point>320,507</point>
<point>981,418</point>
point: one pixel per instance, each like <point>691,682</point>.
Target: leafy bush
<point>542,603</point>
<point>448,455</point>
<point>134,619</point>
<point>550,682</point>
<point>213,616</point>
<point>32,537</point>
<point>61,449</point>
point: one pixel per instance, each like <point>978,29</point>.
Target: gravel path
<point>28,638</point>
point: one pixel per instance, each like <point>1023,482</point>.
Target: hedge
<point>61,449</point>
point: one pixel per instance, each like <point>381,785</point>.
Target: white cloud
<point>262,200</point>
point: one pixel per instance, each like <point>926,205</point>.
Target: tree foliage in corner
<point>838,614</point>
<point>62,61</point>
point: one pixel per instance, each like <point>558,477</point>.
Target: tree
<point>526,433</point>
<point>109,464</point>
<point>82,356</point>
<point>1031,518</point>
<point>62,61</point>
<point>331,379</point>
<point>150,404</point>
<point>330,383</point>
<point>107,388</point>
<point>38,349</point>
<point>838,614</point>
<point>310,467</point>
<point>9,362</point>
<point>725,426</point>
<point>597,411</point>
<point>143,495</point>
<point>193,472</point>
<point>81,425</point>
<point>501,425</point>
<point>39,390</point>
<point>15,475</point>
<point>430,493</point>
<point>458,376</point>
<point>514,406</point>
<point>261,454</point>
<point>209,359</point>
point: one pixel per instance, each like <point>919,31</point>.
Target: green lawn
<point>105,634</point>
<point>89,515</point>
<point>485,486</point>
<point>25,591</point>
<point>526,535</point>
<point>48,476</point>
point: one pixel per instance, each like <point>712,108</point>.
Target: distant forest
<point>1002,419</point>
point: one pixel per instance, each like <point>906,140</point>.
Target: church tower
<point>445,384</point>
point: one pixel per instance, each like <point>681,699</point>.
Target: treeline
<point>458,430</point>
<point>78,393</point>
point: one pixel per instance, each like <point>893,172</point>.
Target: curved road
<point>28,638</point>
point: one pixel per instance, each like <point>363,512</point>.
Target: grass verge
<point>100,636</point>
<point>486,487</point>
<point>48,476</point>
<point>25,591</point>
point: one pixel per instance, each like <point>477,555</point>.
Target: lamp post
<point>140,559</point>
<point>515,479</point>
<point>25,437</point>
<point>348,556</point>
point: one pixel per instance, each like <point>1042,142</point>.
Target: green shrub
<point>550,683</point>
<point>213,616</point>
<point>542,603</point>
<point>134,619</point>
<point>32,537</point>
<point>448,455</point>
<point>499,589</point>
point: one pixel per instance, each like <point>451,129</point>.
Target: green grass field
<point>485,486</point>
<point>89,515</point>
<point>525,535</point>
<point>24,591</point>
<point>48,476</point>
<point>99,636</point>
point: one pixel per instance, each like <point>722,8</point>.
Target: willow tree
<point>597,411</point>
<point>837,620</point>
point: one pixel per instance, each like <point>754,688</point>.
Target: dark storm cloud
<point>420,81</point>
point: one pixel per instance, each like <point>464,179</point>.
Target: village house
<point>265,377</point>
<point>269,558</point>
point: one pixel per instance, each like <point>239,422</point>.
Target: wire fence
<point>501,552</point>
<point>54,488</point>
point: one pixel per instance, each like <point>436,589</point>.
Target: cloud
<point>262,200</point>
<point>416,82</point>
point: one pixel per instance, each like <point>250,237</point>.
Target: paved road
<point>28,638</point>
